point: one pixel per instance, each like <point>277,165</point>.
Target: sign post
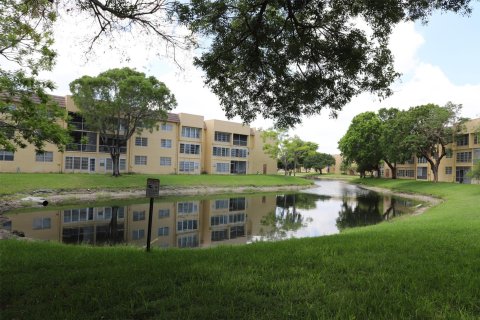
<point>153,191</point>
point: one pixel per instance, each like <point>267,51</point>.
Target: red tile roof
<point>58,99</point>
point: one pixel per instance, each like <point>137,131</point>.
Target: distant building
<point>183,144</point>
<point>461,156</point>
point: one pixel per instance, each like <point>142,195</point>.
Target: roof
<point>173,117</point>
<point>58,99</point>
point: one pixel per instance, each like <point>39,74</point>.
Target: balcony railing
<point>106,149</point>
<point>82,147</point>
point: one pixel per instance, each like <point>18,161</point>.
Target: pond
<point>325,209</point>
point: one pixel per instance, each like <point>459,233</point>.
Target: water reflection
<point>327,209</point>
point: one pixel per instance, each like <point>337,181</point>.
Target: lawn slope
<point>419,267</point>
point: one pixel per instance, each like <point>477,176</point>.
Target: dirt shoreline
<point>87,195</point>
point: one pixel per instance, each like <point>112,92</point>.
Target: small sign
<point>153,188</point>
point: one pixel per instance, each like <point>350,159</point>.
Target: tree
<point>361,143</point>
<point>120,102</point>
<point>275,145</point>
<point>298,149</point>
<point>431,128</point>
<point>475,172</point>
<point>392,140</point>
<point>284,59</point>
<point>318,161</point>
<point>27,113</point>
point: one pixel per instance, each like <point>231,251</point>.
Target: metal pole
<point>149,232</point>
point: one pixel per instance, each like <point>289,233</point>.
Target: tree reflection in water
<point>286,218</point>
<point>366,211</point>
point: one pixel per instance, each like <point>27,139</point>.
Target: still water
<point>325,209</point>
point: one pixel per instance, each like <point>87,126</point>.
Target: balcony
<point>106,149</point>
<point>82,147</point>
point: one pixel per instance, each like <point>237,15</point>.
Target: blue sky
<point>453,42</point>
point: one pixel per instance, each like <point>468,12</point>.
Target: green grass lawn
<point>417,267</point>
<point>12,183</point>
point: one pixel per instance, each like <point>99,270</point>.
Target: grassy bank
<point>12,183</point>
<point>419,267</point>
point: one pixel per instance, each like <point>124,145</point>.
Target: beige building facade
<point>186,223</point>
<point>462,154</point>
<point>183,144</point>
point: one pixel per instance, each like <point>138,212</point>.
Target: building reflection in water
<point>194,223</point>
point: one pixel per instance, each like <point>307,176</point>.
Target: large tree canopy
<point>120,102</point>
<point>283,59</point>
<point>27,114</point>
<point>430,129</point>
<point>361,143</point>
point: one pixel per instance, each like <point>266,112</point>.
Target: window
<point>237,204</point>
<point>188,166</point>
<point>187,207</point>
<point>221,204</point>
<point>167,127</point>
<point>410,173</point>
<point>46,156</point>
<point>422,173</point>
<point>219,235</point>
<point>462,140</point>
<point>464,156</point>
<point>142,142</point>
<point>138,215</point>
<point>163,213</point>
<point>165,161</point>
<point>421,160</point>
<point>76,215</point>
<point>163,231</point>
<point>222,136</point>
<point>42,223</point>
<point>236,217</point>
<point>476,138</point>
<point>239,139</point>
<point>138,234</point>
<point>6,155</point>
<point>401,173</point>
<point>109,164</point>
<point>221,152</point>
<point>76,163</point>
<point>189,241</point>
<point>238,231</point>
<point>166,143</point>
<point>189,148</point>
<point>141,160</point>
<point>218,220</point>
<point>186,225</point>
<point>189,132</point>
<point>222,167</point>
<point>239,153</point>
<point>448,170</point>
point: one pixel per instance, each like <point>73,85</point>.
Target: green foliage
<point>120,102</point>
<point>284,59</point>
<point>318,161</point>
<point>475,172</point>
<point>361,143</point>
<point>27,114</point>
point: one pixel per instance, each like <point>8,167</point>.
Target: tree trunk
<point>393,168</point>
<point>115,155</point>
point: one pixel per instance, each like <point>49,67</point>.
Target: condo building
<point>182,144</point>
<point>461,155</point>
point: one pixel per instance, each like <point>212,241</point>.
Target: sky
<point>439,62</point>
